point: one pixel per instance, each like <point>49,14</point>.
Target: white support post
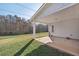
<point>34,30</point>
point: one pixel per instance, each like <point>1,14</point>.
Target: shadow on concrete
<point>45,50</point>
<point>22,49</point>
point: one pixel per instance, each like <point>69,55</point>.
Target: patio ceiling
<point>51,13</point>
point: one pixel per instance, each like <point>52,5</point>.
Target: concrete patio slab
<point>69,46</point>
<point>44,40</point>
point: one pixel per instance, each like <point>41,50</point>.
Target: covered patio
<point>62,20</point>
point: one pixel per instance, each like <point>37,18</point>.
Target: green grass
<point>24,45</point>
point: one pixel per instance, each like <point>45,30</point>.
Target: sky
<point>25,10</point>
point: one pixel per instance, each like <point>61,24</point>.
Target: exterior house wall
<point>67,28</point>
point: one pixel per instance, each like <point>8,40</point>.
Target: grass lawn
<point>24,45</point>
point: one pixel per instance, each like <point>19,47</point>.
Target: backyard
<point>24,45</point>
